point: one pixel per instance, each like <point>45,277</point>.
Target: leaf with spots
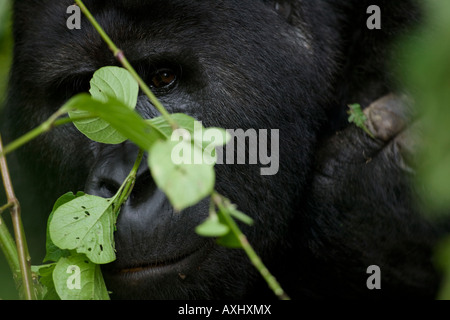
<point>77,278</point>
<point>85,224</point>
<point>53,253</point>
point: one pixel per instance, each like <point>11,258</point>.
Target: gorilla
<point>340,201</point>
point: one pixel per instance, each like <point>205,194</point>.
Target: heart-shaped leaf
<point>77,278</point>
<point>85,224</point>
<point>108,84</point>
<point>186,183</point>
<point>212,227</point>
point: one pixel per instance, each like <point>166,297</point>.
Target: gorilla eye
<point>163,79</point>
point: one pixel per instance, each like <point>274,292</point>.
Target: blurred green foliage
<point>428,77</point>
<point>5,44</point>
<point>427,74</point>
<point>7,286</point>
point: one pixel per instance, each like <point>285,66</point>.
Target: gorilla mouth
<point>178,264</point>
<point>159,277</point>
<point>156,265</point>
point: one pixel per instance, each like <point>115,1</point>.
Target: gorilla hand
<point>388,119</point>
<point>363,216</point>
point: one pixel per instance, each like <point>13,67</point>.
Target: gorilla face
<point>235,64</point>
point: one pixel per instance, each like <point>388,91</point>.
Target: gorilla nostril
<point>107,187</point>
<point>143,188</point>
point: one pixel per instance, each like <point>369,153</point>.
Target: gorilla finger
<point>404,147</point>
<point>389,116</point>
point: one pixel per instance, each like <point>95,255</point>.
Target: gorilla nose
<point>146,222</point>
<point>112,167</point>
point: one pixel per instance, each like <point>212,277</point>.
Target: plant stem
<point>366,130</point>
<point>120,56</point>
<point>253,256</point>
<point>128,185</point>
<point>125,189</point>
<point>5,207</point>
<point>44,127</point>
<point>21,244</point>
<point>9,249</point>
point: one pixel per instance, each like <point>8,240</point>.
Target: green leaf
<point>192,130</point>
<point>54,253</point>
<point>178,167</point>
<point>203,137</point>
<point>187,183</point>
<point>240,216</point>
<point>45,274</point>
<point>110,85</point>
<point>126,121</point>
<point>212,227</point>
<point>216,136</point>
<point>229,240</point>
<point>114,82</point>
<point>85,224</point>
<point>97,129</point>
<point>184,121</point>
<point>77,278</point>
<point>357,116</point>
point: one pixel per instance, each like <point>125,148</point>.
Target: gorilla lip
<point>154,265</point>
<point>183,261</point>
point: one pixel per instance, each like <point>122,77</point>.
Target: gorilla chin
<point>157,279</point>
<point>156,262</point>
<point>287,65</point>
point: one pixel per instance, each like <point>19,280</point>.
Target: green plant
<point>80,227</point>
<point>427,73</point>
<point>357,116</point>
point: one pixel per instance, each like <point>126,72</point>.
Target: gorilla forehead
<point>226,43</point>
<point>160,27</point>
<point>172,20</point>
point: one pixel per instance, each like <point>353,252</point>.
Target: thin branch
<point>127,187</point>
<point>253,256</point>
<point>21,244</point>
<point>9,249</point>
<point>5,207</point>
<point>44,127</point>
<point>119,55</point>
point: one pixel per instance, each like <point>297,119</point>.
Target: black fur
<point>241,64</point>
